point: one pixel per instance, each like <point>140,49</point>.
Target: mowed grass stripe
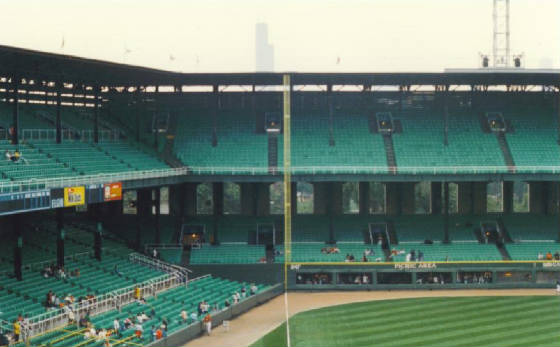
<point>383,327</point>
<point>464,322</point>
<point>375,315</point>
<point>371,311</point>
<point>359,307</point>
<point>434,326</point>
<point>475,333</point>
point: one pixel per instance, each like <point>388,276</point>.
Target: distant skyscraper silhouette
<point>264,51</point>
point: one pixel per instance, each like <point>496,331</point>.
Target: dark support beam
<point>331,114</point>
<point>96,115</point>
<point>17,236</point>
<point>58,116</point>
<point>155,117</point>
<point>446,212</point>
<point>15,114</point>
<point>143,213</point>
<point>363,188</point>
<point>558,209</point>
<point>508,196</point>
<point>331,209</point>
<point>558,114</point>
<point>215,107</point>
<point>97,242</point>
<point>436,198</point>
<point>218,208</point>
<point>446,116</point>
<point>60,237</point>
<point>157,205</point>
<point>136,109</point>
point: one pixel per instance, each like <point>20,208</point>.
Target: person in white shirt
<point>194,317</point>
<point>117,327</point>
<point>184,315</point>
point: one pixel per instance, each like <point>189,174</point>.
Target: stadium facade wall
<point>386,276</point>
<point>259,273</point>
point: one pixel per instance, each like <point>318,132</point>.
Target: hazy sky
<point>218,35</point>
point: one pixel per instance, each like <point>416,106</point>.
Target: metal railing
<point>375,170</point>
<point>181,273</point>
<point>112,300</point>
<point>67,134</point>
<point>59,182</point>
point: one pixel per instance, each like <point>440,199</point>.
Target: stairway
<point>186,256</point>
<point>272,153</point>
<point>503,231</point>
<point>506,151</point>
<point>478,234</point>
<point>167,154</point>
<point>390,152</point>
<point>270,255</point>
<point>503,251</point>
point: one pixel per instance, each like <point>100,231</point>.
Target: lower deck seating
<point>228,254</point>
<point>317,252</point>
<point>525,226</point>
<point>464,251</point>
<point>168,305</point>
<point>531,250</point>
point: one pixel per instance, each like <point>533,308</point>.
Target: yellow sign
<point>74,196</point>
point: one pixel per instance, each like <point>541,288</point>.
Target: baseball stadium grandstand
<point>136,200</point>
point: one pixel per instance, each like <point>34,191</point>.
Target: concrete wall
<point>320,197</point>
<point>479,198</point>
<point>407,197</point>
<point>393,199</point>
<point>248,199</point>
<point>436,197</point>
<point>508,196</point>
<point>537,197</point>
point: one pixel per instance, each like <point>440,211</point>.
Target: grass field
<point>444,322</point>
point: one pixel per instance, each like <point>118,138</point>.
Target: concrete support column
<point>393,199</point>
<point>363,188</point>
<point>15,113</point>
<point>335,196</point>
<point>537,197</point>
<point>218,198</point>
<point>157,205</point>
<point>553,189</point>
<point>98,238</point>
<point>177,200</point>
<point>436,197</point>
<point>60,237</point>
<point>190,198</point>
<point>218,208</point>
<point>294,198</point>
<point>320,198</point>
<point>263,199</point>
<point>248,199</point>
<point>445,212</point>
<point>407,198</point>
<point>464,198</point>
<point>480,198</point>
<point>18,246</point>
<point>508,196</point>
<point>143,213</point>
<point>58,123</point>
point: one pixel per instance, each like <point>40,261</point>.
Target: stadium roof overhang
<point>30,64</point>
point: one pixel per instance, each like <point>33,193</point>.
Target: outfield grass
<point>520,321</point>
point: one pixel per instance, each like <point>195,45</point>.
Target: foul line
<point>287,318</point>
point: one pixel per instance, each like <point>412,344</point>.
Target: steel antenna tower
<point>501,47</point>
